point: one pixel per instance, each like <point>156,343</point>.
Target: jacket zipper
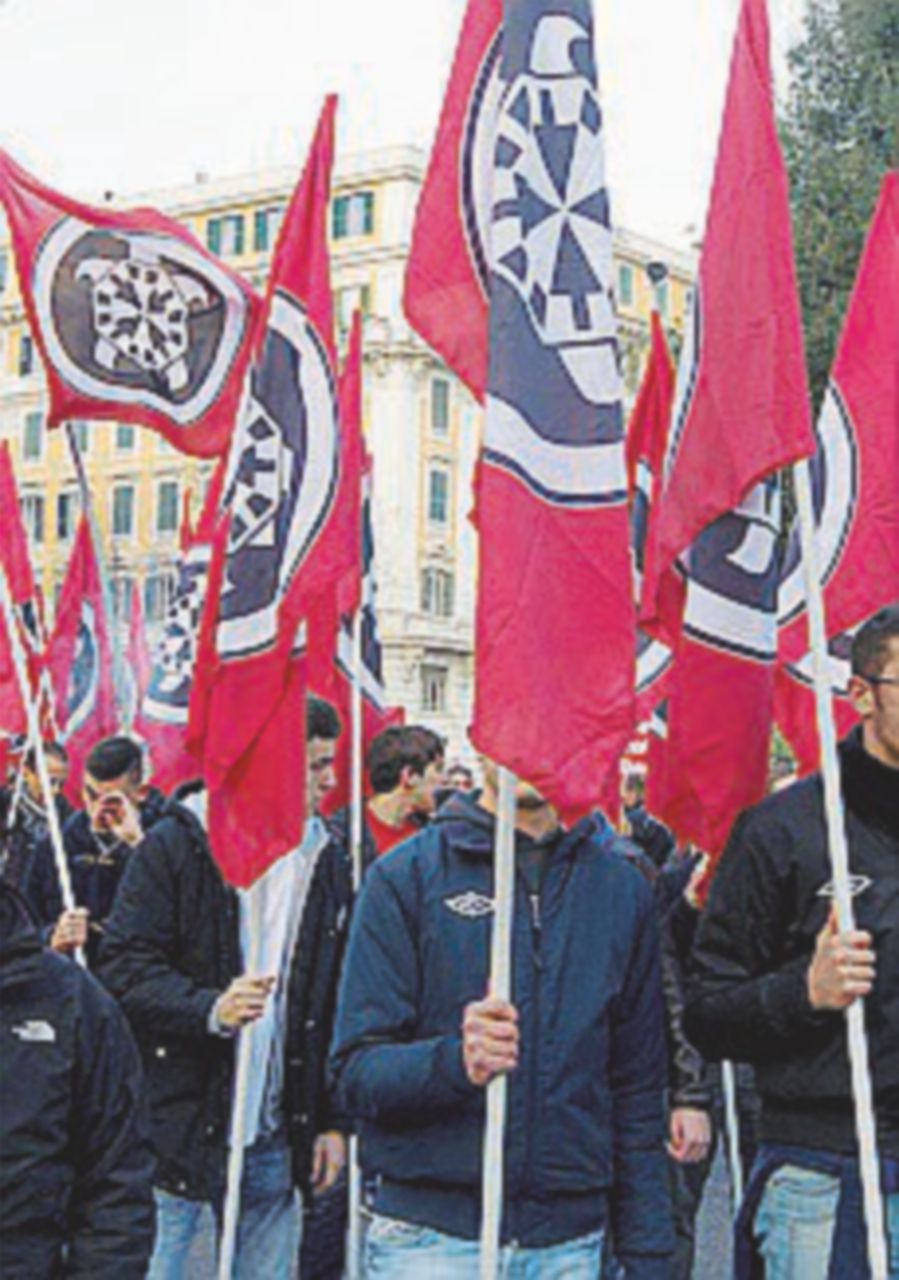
<point>533,1080</point>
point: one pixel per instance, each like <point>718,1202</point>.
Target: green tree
<point>840,128</point>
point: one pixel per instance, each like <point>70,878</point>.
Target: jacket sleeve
<point>111,1211</point>
<point>746,999</point>
<point>640,1203</point>
<point>139,954</point>
<point>687,1069</point>
<point>384,1072</point>
<point>41,887</point>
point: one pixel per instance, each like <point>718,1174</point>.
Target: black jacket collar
<point>871,789</point>
<point>472,830</point>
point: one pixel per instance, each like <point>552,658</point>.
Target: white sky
<point>126,95</point>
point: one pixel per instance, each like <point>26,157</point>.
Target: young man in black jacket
<point>23,825</point>
<point>773,977</point>
<point>119,809</point>
<point>174,956</point>
<point>76,1167</point>
<point>583,1042</point>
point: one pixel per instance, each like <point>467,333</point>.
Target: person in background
<point>24,823</point>
<point>459,777</point>
<point>648,832</point>
<point>174,955</point>
<point>76,1172</point>
<point>119,809</point>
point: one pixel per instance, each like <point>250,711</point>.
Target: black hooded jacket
<point>770,899</point>
<point>75,1161</point>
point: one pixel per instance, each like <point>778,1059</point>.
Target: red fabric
<point>741,413</point>
<point>80,660</point>
<point>246,710</point>
<point>13,539</point>
<point>12,711</point>
<point>387,837</point>
<point>138,650</point>
<point>743,407</point>
<point>444,297</point>
<point>554,642</point>
<point>862,572</point>
<point>213,296</point>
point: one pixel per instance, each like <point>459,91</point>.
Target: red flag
<point>516,205</point>
<point>447,276</point>
<point>12,711</point>
<point>283,478</point>
<point>138,664</point>
<point>80,659</point>
<point>742,408</point>
<point>16,562</point>
<point>741,413</point>
<point>854,482</point>
<point>134,319</point>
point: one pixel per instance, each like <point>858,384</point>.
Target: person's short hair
<point>871,646</point>
<point>52,749</point>
<point>113,758</point>
<point>460,770</point>
<point>402,747</point>
<point>322,720</point>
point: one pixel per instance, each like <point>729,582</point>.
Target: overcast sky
<point>126,95</point>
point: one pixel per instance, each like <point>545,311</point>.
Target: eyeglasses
<point>881,679</point>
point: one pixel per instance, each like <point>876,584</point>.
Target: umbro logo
<point>857,885</point>
<point>471,905</point>
<point>35,1032</point>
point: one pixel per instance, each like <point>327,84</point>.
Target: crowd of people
<point>371,1014</point>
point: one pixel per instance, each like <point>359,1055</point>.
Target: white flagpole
<point>244,1069</point>
<point>36,741</point>
<point>354,1232</point>
<point>732,1123</point>
<point>501,989</point>
<point>839,854</point>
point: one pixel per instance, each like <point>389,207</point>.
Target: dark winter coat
<point>586,1106</point>
<point>96,866</point>
<point>171,948</point>
<point>76,1166</point>
<point>770,899</point>
<point>20,841</point>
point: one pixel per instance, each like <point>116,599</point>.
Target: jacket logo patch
<point>471,905</point>
<point>857,885</point>
<point>35,1032</point>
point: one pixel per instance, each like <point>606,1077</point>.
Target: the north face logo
<point>471,905</point>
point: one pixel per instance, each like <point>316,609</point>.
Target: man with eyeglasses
<point>774,975</point>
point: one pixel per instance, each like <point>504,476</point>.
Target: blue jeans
<point>268,1235</point>
<point>403,1251</point>
<point>795,1224</point>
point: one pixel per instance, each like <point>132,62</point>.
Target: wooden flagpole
<point>354,1230</point>
<point>839,854</point>
<point>501,989</point>
<point>35,738</point>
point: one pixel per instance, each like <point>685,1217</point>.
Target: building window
<point>82,435</point>
<point>440,406</point>
<point>158,590</point>
<point>33,516</point>
<point>354,215</point>
<point>26,355</point>
<point>626,285</point>
<point>438,495</point>
<point>167,507</point>
<point>123,511</point>
<point>67,507</point>
<point>4,270</point>
<point>124,438</point>
<point>224,236</point>
<point>122,596</point>
<point>266,225</point>
<point>438,590</point>
<point>350,300</point>
<point>33,439</point>
<point>661,292</point>
<point>434,682</point>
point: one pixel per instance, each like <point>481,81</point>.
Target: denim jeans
<point>795,1224</point>
<point>268,1235</point>
<point>403,1251</point>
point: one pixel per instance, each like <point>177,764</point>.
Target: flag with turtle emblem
<point>135,320</point>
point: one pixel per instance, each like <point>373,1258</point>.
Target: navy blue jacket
<point>586,1126</point>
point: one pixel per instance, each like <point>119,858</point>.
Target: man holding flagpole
<point>582,1043</point>
<point>773,975</point>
